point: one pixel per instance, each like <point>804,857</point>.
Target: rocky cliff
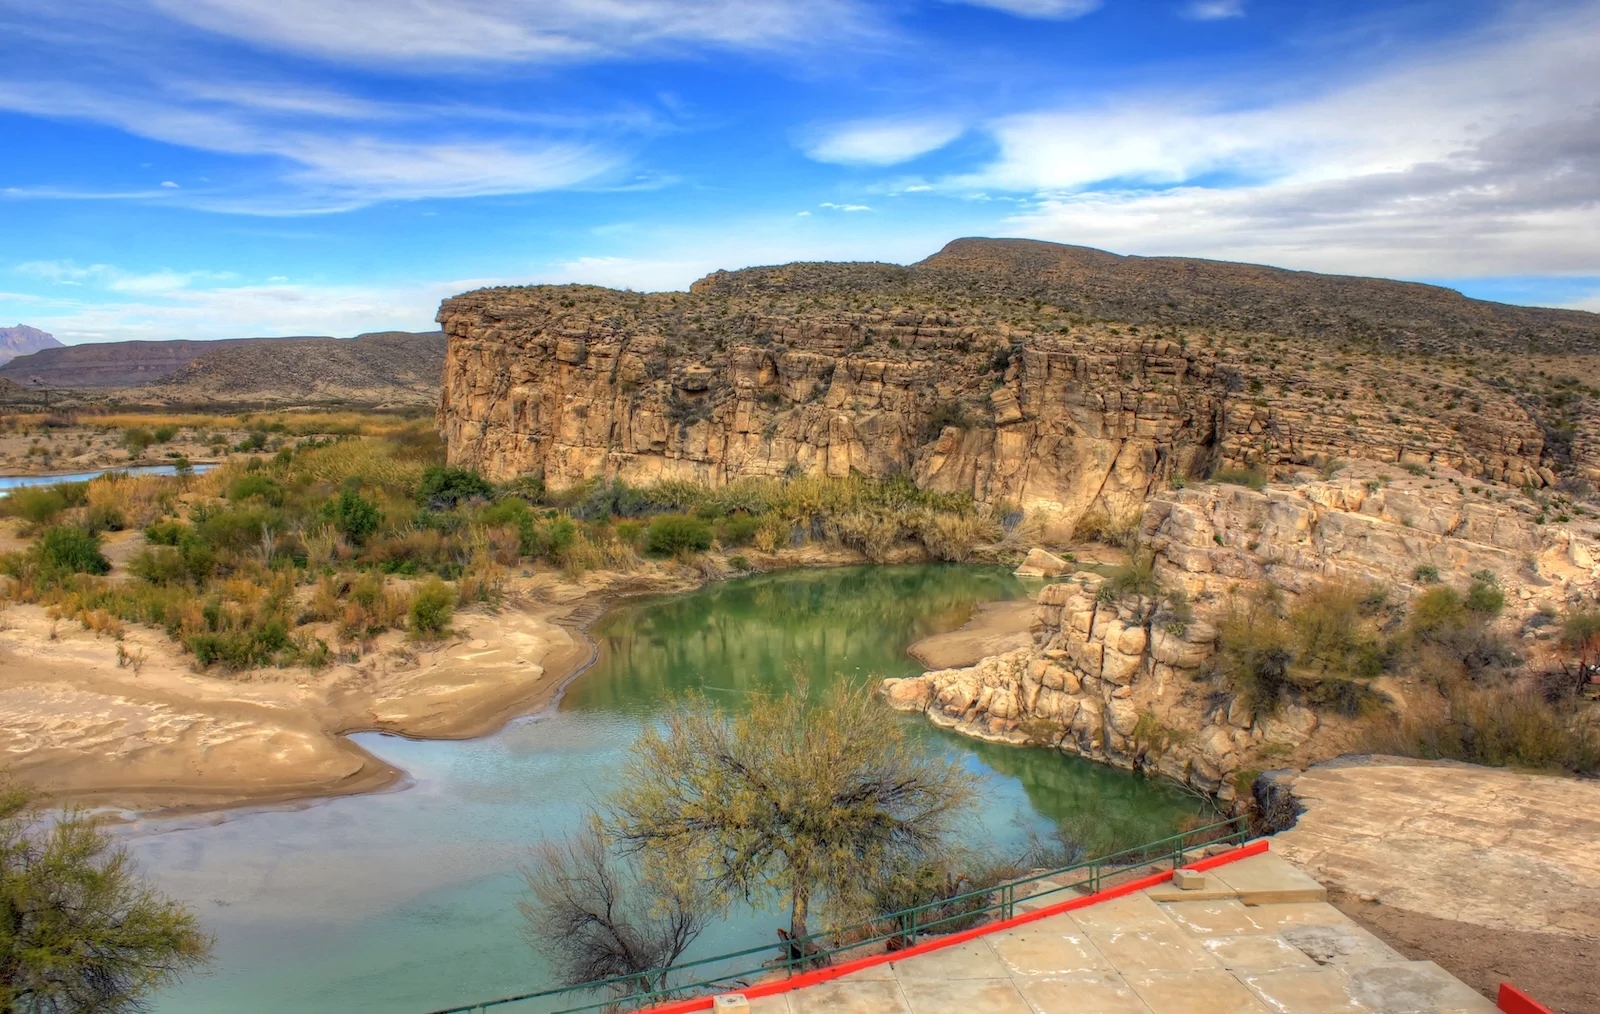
<point>992,368</point>
<point>113,364</point>
<point>1119,678</point>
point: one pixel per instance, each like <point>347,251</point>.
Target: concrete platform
<point>1258,943</point>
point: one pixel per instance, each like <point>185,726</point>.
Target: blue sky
<point>217,168</point>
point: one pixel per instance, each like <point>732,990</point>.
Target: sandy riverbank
<point>165,737</point>
<point>995,628</point>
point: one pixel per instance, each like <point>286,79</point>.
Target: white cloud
<point>881,142</point>
<point>843,207</point>
<point>168,184</point>
<point>1479,159</point>
<point>509,30</point>
<point>1214,10</point>
<point>1053,9</point>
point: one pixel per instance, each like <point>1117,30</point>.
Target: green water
<point>405,901</point>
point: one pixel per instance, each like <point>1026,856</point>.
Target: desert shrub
<point>136,439</point>
<point>941,416</point>
<point>1324,651</point>
<point>255,484</point>
<point>162,434</point>
<point>37,505</point>
<point>104,517</point>
<point>1484,598</point>
<point>236,530</point>
<point>73,550</point>
<point>673,534</point>
<point>444,488</point>
<point>1100,525</point>
<point>239,648</point>
<point>1252,477</point>
<point>631,533</point>
<point>600,500</point>
<point>546,538</point>
<point>738,530</point>
<point>1500,727</point>
<point>431,608</point>
<point>353,515</point>
<point>1137,577</point>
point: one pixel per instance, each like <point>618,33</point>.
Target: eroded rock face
<point>1120,680</point>
<point>884,370</point>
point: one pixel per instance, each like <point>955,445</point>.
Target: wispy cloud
<point>512,31</point>
<point>1214,10</point>
<point>881,142</point>
<point>844,207</point>
<point>1052,9</point>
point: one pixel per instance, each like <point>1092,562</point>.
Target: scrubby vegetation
<point>312,551</point>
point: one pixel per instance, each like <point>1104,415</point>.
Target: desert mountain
<point>22,339</point>
<point>1061,378</point>
<point>383,368</point>
<point>113,364</point>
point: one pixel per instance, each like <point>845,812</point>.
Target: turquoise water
<point>405,901</point>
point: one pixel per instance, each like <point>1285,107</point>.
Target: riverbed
<point>405,900</point>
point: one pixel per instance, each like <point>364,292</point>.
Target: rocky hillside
<point>380,369</point>
<point>22,339</point>
<point>114,364</point>
<point>1063,379</point>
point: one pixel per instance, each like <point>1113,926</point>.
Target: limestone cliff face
<point>1118,681</point>
<point>886,370</point>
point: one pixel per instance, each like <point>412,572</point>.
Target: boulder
<point>1042,563</point>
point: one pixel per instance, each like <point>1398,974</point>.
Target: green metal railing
<point>903,928</point>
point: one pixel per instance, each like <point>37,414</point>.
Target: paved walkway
<point>1257,938</point>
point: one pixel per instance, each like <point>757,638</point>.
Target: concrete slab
<point>1212,889</point>
<point>1133,911</point>
<point>1215,992</point>
<point>1266,879</point>
<point>1277,918</point>
<point>1414,987</point>
<point>873,973</point>
<point>1054,946</point>
<point>849,998</point>
<point>1227,917</point>
<point>971,960</point>
<point>1258,953</point>
<point>965,996</point>
<point>770,1005</point>
<point>1340,944</point>
<point>1306,991</point>
<point>1087,994</point>
<point>1158,949</point>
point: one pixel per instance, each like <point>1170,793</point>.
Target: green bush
<point>443,488</point>
<point>1252,477</point>
<point>354,515</point>
<point>255,484</point>
<point>164,433</point>
<point>432,608</point>
<point>1498,727</point>
<point>672,534</point>
<point>104,517</point>
<point>72,550</point>
<point>240,649</point>
<point>136,439</point>
<point>1485,599</point>
<point>738,530</point>
<point>38,505</point>
<point>546,538</point>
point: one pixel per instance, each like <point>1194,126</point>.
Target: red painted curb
<point>820,975</point>
<point>1514,1001</point>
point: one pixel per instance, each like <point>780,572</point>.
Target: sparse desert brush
<point>371,462</point>
<point>483,580</point>
<point>1498,726</point>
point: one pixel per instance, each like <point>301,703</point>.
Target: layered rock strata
<point>946,376</point>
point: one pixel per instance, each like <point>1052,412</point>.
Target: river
<point>11,482</point>
<point>404,901</point>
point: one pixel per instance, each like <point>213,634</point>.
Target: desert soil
<point>1493,874</point>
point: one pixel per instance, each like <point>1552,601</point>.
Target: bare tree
<point>594,918</point>
<point>813,798</point>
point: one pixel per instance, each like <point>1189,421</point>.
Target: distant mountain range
<point>22,339</point>
<point>382,368</point>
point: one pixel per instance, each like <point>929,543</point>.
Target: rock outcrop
<point>1118,678</point>
<point>983,375</point>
